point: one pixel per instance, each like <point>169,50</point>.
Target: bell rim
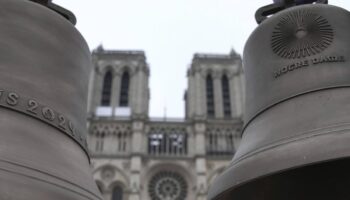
<point>228,181</point>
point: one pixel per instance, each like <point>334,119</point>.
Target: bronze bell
<point>296,138</point>
<point>44,63</point>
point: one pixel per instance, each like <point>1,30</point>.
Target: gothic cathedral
<point>136,157</point>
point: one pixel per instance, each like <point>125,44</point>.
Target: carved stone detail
<point>110,128</point>
<point>107,173</point>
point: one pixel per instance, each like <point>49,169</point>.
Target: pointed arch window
<point>107,89</point>
<point>117,193</point>
<point>226,96</point>
<point>124,90</point>
<point>99,142</point>
<point>210,96</point>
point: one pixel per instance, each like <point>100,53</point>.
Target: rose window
<point>167,185</point>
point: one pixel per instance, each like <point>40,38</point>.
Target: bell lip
<point>228,181</point>
<point>218,196</point>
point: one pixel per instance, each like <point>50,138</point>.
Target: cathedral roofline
<point>125,52</point>
<point>217,58</point>
<point>211,56</point>
<point>100,51</point>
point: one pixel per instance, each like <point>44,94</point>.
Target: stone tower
<point>119,84</point>
<point>215,87</point>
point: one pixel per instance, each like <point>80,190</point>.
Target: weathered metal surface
<point>296,141</point>
<point>62,11</point>
<point>44,64</point>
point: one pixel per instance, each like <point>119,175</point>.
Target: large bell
<point>44,64</point>
<point>296,139</point>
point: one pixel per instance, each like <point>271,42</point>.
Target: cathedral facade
<point>136,157</point>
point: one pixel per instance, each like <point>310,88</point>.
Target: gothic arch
<point>102,69</point>
<point>110,128</point>
<point>125,68</point>
<point>105,69</point>
<point>226,72</point>
<point>117,183</point>
<point>171,166</point>
<point>220,140</point>
<point>208,72</point>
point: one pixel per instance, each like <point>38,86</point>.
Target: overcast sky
<point>170,32</point>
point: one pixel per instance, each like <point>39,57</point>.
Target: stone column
<point>138,138</point>
<point>202,186</point>
<point>145,90</point>
<point>140,93</point>
<point>139,97</point>
<point>201,169</point>
<point>190,95</point>
<point>199,131</point>
<point>137,150</point>
<point>198,97</point>
<point>133,82</point>
<point>218,101</point>
<point>135,178</point>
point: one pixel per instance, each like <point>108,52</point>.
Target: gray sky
<point>170,32</point>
